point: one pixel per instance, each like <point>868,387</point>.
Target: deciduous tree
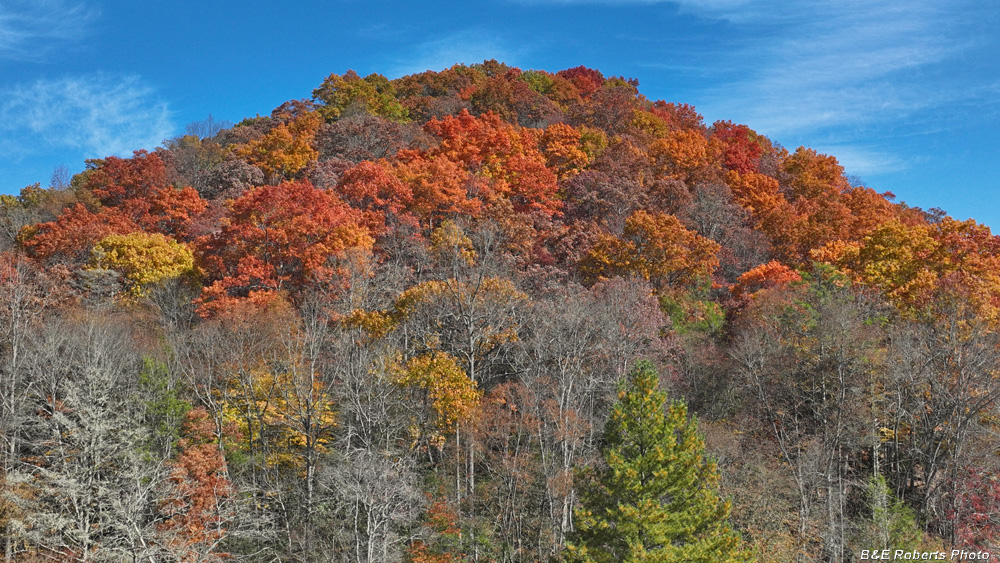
<point>283,237</point>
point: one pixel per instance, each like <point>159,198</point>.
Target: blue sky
<point>905,93</point>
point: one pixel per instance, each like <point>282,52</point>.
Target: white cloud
<point>715,8</point>
<point>31,28</point>
<point>96,115</point>
<point>849,71</point>
<point>580,2</point>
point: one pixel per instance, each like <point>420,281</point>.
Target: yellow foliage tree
<point>563,149</point>
<point>650,124</point>
<point>450,245</point>
<point>143,259</point>
<point>912,264</point>
<point>655,247</point>
<point>286,149</point>
<point>373,94</point>
<point>451,394</point>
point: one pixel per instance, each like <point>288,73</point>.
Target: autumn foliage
<point>387,321</point>
<point>195,505</point>
<point>277,238</point>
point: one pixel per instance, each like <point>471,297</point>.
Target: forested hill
<point>404,320</point>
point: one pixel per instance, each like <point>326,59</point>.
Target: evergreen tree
<point>655,499</point>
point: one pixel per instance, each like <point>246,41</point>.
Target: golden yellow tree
<point>286,149</point>
<point>143,259</point>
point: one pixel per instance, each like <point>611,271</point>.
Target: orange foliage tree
<point>681,154</point>
<point>137,189</point>
<point>655,247</point>
<point>194,506</point>
<point>763,277</point>
<point>440,188</point>
<point>563,149</point>
<point>506,157</point>
<point>774,216</point>
<point>72,234</point>
<point>372,188</point>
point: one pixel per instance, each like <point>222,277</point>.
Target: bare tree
<point>943,382</point>
<point>91,479</point>
<point>810,366</point>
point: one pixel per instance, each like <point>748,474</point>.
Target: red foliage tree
<point>742,147</point>
<point>131,195</point>
<point>586,80</point>
<point>114,180</point>
<point>974,513</point>
<point>276,238</point>
<point>72,234</point>
<point>678,116</point>
<point>372,188</point>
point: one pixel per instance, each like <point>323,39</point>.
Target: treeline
<point>390,323</point>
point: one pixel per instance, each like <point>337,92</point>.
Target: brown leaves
<point>194,506</point>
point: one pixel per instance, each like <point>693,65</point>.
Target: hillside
<point>388,322</point>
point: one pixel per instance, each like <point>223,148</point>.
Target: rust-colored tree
<point>763,277</point>
<point>195,502</point>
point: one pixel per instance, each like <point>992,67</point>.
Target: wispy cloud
<point>864,160</point>
<point>715,7</point>
<point>585,2</point>
<point>837,64</point>
<point>95,115</point>
<point>468,47</point>
<point>31,28</point>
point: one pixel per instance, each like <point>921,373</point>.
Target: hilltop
<point>389,320</point>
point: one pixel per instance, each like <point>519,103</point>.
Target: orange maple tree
<point>372,188</point>
<point>505,156</point>
<point>276,238</point>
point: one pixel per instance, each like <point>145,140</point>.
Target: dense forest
<point>487,314</point>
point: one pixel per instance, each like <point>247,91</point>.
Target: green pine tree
<point>655,499</point>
